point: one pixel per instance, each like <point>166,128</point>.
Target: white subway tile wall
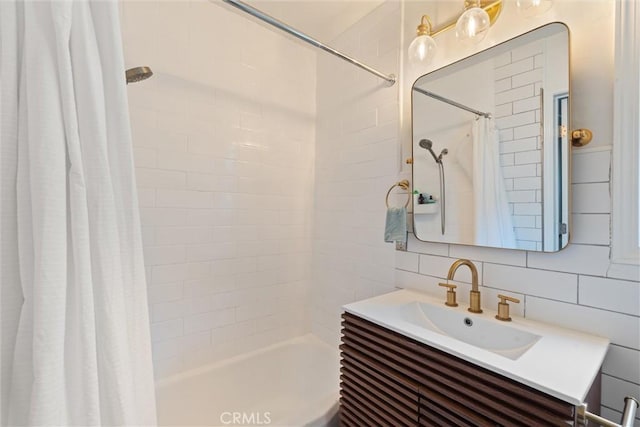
<point>357,160</point>
<point>517,116</point>
<point>224,150</point>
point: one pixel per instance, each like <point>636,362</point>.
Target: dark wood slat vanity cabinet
<point>388,379</point>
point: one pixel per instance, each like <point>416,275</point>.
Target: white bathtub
<point>294,383</point>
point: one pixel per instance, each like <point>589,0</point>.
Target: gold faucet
<point>474,297</point>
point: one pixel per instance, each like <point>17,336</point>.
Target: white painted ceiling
<point>322,19</point>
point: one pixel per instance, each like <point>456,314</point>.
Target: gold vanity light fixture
<point>471,26</point>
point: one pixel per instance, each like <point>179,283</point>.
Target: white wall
<point>569,288</point>
<point>224,149</point>
<point>357,159</point>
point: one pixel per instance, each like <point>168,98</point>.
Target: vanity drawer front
<point>447,382</point>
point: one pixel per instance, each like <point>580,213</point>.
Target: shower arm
<point>390,78</point>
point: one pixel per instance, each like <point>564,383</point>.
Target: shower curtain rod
<point>390,78</point>
<point>450,102</point>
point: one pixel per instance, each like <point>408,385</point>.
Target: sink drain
<point>468,322</point>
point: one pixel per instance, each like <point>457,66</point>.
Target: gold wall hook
<point>581,137</point>
<point>409,160</point>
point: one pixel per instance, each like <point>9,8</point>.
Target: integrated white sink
<point>557,361</point>
<point>497,337</point>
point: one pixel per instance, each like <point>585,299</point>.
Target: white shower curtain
<point>71,242</point>
<point>493,223</point>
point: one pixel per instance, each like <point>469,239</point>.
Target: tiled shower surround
<point>223,140</point>
<point>263,196</point>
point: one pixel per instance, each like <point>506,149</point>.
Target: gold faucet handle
<point>451,294</point>
<point>503,307</point>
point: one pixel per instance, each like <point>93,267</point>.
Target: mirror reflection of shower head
<point>138,74</point>
<point>427,144</point>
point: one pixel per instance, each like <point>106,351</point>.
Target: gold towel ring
<point>404,184</point>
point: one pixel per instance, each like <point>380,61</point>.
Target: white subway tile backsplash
<point>492,255</point>
<point>615,295</point>
<point>622,362</point>
<point>418,282</point>
<point>432,248</point>
<point>439,267</point>
<point>547,284</point>
<point>621,329</point>
<point>614,390</point>
<point>582,259</point>
<point>590,229</point>
<point>407,261</point>
<point>591,166</point>
<point>591,198</point>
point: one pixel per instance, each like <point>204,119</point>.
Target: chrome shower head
<point>138,74</point>
<point>427,144</point>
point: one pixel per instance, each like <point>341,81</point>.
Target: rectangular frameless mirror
<point>490,146</point>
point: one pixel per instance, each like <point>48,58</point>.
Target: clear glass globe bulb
<point>473,25</point>
<point>530,8</point>
<point>422,49</point>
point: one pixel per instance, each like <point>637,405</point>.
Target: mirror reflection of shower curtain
<point>493,222</point>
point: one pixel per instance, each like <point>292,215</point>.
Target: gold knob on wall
<point>581,137</point>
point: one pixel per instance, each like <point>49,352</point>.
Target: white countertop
<point>562,363</point>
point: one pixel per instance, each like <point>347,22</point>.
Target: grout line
<point>620,379</point>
